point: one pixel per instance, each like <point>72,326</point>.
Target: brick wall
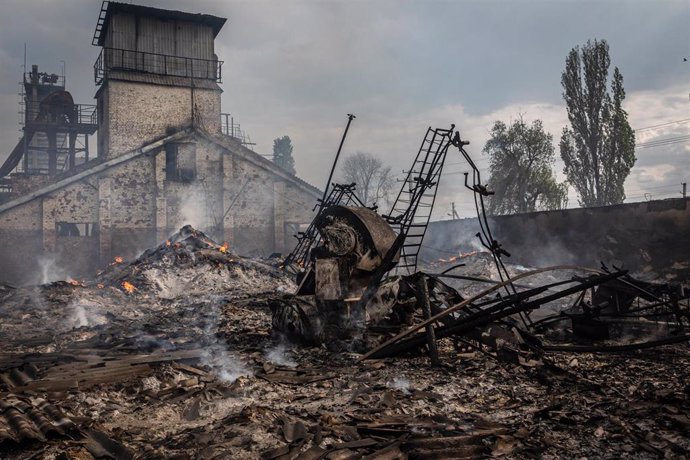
<point>136,208</point>
<point>21,243</point>
<point>134,113</point>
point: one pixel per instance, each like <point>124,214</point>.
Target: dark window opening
<point>76,229</point>
<point>170,161</point>
<point>180,162</point>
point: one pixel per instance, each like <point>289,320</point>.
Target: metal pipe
<point>423,303</point>
<point>350,117</point>
<point>465,302</point>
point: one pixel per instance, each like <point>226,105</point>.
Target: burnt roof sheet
<point>215,22</point>
<point>26,419</point>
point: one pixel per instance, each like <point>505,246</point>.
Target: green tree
<point>520,159</point>
<point>598,148</point>
<point>282,154</point>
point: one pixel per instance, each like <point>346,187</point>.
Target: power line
<point>684,120</point>
<point>667,141</point>
<point>661,187</point>
<point>652,196</point>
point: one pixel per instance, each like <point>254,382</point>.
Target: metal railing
<point>154,63</point>
<point>85,114</point>
<point>229,128</point>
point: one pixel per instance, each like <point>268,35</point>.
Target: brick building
<point>163,158</point>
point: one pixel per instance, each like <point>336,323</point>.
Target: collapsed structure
<point>165,156</point>
<point>343,297</point>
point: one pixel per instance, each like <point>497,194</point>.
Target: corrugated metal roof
<point>30,419</point>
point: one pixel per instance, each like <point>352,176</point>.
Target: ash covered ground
<point>173,356</point>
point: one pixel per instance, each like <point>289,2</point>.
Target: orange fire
<point>128,287</point>
<point>167,243</point>
<point>100,285</point>
<point>119,260</point>
<point>224,248</point>
<point>74,282</point>
<point>460,255</point>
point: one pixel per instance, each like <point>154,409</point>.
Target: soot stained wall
<point>135,207</point>
<point>643,237</point>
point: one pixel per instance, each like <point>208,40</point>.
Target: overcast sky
<point>298,67</point>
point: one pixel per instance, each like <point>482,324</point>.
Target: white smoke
<point>216,355</point>
<point>49,270</point>
<point>227,366</point>
<point>85,314</point>
<point>280,355</point>
<point>400,383</point>
<point>194,209</point>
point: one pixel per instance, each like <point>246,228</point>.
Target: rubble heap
<point>186,365</point>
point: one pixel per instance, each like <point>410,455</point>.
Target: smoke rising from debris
<point>400,383</point>
<point>194,209</point>
<point>216,354</point>
<point>280,355</point>
<point>49,270</point>
<point>85,314</point>
<point>535,249</point>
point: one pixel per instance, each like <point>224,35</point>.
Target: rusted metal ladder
<point>412,209</point>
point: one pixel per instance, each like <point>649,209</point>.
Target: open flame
<point>224,248</point>
<point>119,260</point>
<point>460,255</point>
<point>74,282</point>
<point>167,244</point>
<point>128,287</point>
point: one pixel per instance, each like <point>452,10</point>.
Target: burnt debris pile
<point>190,262</point>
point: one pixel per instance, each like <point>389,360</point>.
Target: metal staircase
<point>412,209</point>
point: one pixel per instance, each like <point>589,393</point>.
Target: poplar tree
<point>598,148</point>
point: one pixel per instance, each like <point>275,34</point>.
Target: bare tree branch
<point>374,180</point>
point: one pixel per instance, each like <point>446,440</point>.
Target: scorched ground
<point>172,356</point>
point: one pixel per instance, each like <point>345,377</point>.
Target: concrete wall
<point>643,237</point>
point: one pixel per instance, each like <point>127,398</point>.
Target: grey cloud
<point>298,67</point>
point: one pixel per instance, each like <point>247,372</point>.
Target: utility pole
<point>453,212</point>
<point>685,189</point>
